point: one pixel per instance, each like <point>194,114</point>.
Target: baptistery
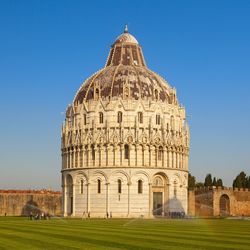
<point>125,141</point>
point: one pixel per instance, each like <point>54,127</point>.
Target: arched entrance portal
<point>160,195</point>
<point>69,194</point>
<point>224,205</point>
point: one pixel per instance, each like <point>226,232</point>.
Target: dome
<point>126,82</point>
<point>125,76</point>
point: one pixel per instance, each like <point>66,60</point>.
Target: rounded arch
<point>68,179</point>
<point>162,174</point>
<point>120,172</point>
<point>158,181</point>
<point>224,205</point>
<point>98,172</point>
<point>79,178</point>
<point>80,174</point>
<point>160,193</point>
<point>141,172</point>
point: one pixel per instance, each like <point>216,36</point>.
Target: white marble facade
<point>125,141</point>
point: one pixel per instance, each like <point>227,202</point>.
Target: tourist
<point>83,215</point>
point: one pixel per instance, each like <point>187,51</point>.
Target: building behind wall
<point>125,141</point>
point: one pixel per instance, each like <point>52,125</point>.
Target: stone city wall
<point>25,202</point>
<point>212,201</point>
<point>203,202</point>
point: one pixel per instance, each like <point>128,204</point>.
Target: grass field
<point>21,233</point>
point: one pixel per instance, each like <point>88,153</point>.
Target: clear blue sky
<point>48,48</point>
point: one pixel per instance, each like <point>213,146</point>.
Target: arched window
<point>81,187</point>
<point>119,117</point>
<point>81,158</point>
<point>85,119</point>
<point>160,153</point>
<point>172,122</point>
<point>119,186</point>
<point>76,158</point>
<point>140,187</point>
<point>126,151</point>
<point>97,93</point>
<point>140,117</point>
<point>156,94</point>
<point>68,157</point>
<point>93,152</point>
<point>158,119</point>
<point>98,186</point>
<point>101,117</point>
<point>72,158</point>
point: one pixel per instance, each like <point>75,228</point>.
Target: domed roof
<point>125,76</point>
<point>126,37</point>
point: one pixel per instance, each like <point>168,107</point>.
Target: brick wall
<point>207,201</point>
<point>23,202</point>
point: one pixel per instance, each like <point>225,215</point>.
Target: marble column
<point>150,205</point>
<point>107,197</point>
<point>74,199</point>
<point>88,197</point>
<point>129,185</point>
<point>65,201</point>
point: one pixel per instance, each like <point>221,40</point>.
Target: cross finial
<point>126,29</point>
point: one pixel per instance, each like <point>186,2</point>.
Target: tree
<point>214,182</point>
<point>191,181</point>
<point>219,183</point>
<point>208,181</point>
<point>199,184</point>
<point>241,180</point>
<point>248,182</point>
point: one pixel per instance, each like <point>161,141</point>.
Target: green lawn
<point>21,233</point>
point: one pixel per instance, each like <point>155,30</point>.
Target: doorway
<point>157,203</point>
<point>71,205</point>
<point>224,205</point>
